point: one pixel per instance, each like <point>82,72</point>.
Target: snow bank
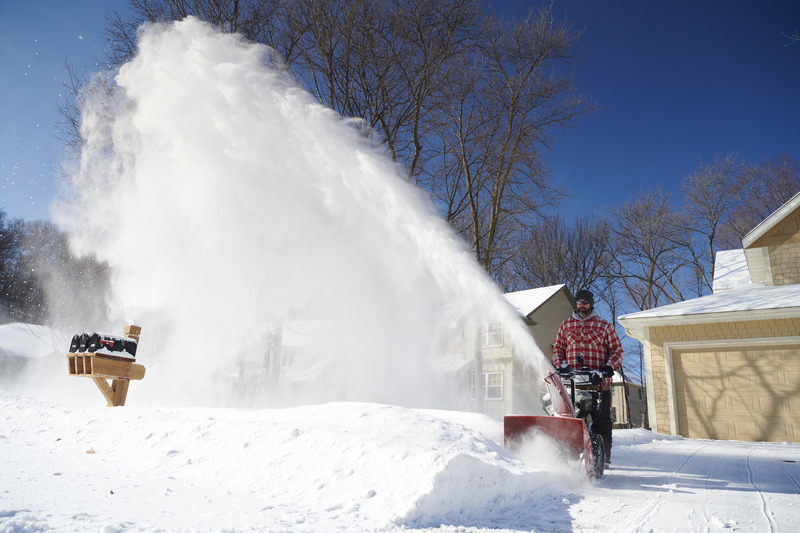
<point>363,467</point>
<point>328,466</point>
<point>31,340</point>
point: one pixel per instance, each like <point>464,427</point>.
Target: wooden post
<point>102,367</point>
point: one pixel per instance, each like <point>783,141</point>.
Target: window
<point>614,415</point>
<point>492,385</point>
<point>492,334</point>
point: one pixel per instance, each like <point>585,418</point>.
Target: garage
<point>726,365</point>
<point>748,393</point>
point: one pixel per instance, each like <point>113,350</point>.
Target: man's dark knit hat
<point>583,294</point>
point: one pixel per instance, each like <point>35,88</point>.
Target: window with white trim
<point>491,385</point>
<point>491,334</point>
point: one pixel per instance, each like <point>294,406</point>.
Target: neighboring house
<point>627,411</point>
<point>506,384</point>
<point>288,363</point>
<point>727,365</point>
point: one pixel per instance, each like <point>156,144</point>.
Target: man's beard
<point>583,313</point>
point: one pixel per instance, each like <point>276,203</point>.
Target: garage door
<point>749,394</point>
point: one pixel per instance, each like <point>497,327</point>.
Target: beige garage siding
<point>750,393</point>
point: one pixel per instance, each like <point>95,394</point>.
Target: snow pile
<point>362,467</point>
<point>348,466</point>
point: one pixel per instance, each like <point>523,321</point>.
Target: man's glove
<point>608,371</point>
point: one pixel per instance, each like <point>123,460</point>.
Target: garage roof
<point>751,302</point>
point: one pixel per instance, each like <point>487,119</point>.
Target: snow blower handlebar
<point>587,376</point>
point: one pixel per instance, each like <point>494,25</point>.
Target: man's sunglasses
<point>582,302</point>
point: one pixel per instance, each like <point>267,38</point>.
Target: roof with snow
<point>748,301</point>
<point>528,301</point>
<point>730,270</point>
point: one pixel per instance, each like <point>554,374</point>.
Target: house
<point>506,384</point>
<point>485,367</point>
<point>727,365</point>
<point>627,403</point>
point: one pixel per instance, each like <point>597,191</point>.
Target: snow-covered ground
<point>363,467</point>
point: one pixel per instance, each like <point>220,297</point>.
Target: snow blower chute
<point>570,416</point>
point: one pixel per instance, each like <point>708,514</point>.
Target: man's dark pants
<point>603,424</point>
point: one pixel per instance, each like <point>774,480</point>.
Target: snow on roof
<point>750,301</point>
<point>730,270</point>
<point>528,301</point>
<point>31,340</point>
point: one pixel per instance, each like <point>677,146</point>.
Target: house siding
<point>548,319</point>
<point>728,331</point>
<point>785,263</point>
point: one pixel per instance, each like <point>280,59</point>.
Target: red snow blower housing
<point>572,401</point>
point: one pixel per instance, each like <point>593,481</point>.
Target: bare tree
<point>710,194</point>
<point>649,250</point>
<point>496,119</point>
<point>764,188</point>
<point>556,252</point>
<point>255,20</point>
<point>62,288</point>
<point>10,253</point>
<point>383,62</point>
<point>40,279</point>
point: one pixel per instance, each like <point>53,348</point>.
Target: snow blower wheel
<point>599,455</point>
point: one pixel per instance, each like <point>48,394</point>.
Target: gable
<point>528,301</point>
<point>772,246</point>
<point>781,227</point>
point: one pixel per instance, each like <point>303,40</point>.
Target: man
<point>586,334</point>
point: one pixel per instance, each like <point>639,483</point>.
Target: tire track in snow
<point>708,516</point>
<point>637,523</point>
<point>765,508</point>
<point>791,478</point>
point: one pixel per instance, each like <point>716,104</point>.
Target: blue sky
<point>676,83</point>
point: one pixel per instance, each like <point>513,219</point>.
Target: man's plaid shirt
<point>594,338</point>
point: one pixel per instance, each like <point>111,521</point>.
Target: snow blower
<point>572,402</point>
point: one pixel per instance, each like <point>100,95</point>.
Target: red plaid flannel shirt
<point>594,338</point>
